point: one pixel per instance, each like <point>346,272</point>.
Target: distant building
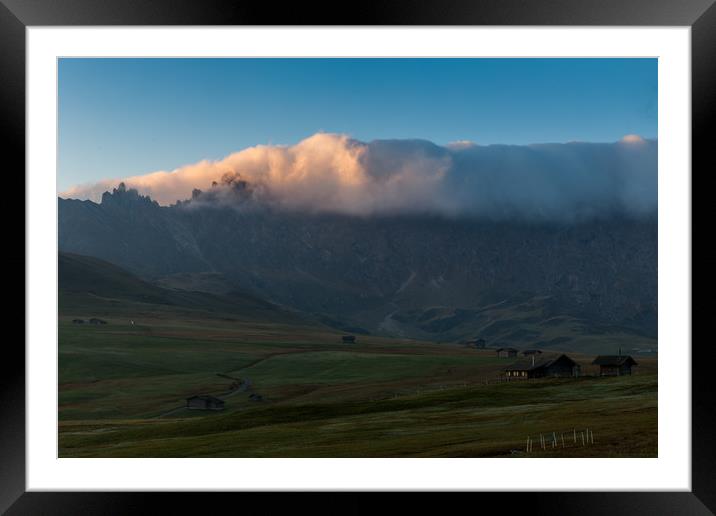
<point>348,339</point>
<point>614,365</point>
<point>97,321</point>
<point>204,402</point>
<point>560,366</point>
<point>506,352</point>
<point>529,352</point>
<point>477,343</point>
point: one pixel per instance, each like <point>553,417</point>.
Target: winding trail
<point>240,388</point>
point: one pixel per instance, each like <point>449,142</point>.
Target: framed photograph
<point>436,248</point>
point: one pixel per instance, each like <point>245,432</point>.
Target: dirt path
<point>233,392</point>
<point>172,411</point>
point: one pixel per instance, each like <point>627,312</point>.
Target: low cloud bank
<point>335,173</point>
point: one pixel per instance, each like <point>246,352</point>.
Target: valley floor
<point>122,391</point>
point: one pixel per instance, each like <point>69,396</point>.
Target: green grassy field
<point>122,388</point>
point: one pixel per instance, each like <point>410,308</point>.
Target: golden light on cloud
<point>632,138</point>
<point>461,144</point>
<point>335,173</point>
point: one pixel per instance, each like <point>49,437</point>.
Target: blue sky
<point>120,117</point>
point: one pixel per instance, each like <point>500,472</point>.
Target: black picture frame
<point>16,15</point>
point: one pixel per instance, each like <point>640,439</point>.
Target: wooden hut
<point>477,343</point>
<point>614,365</point>
<point>506,352</point>
<point>555,366</point>
<point>204,402</point>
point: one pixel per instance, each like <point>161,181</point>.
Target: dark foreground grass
<point>476,421</point>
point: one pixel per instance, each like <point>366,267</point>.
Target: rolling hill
<point>90,286</point>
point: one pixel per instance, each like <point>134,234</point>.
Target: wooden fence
<point>569,439</point>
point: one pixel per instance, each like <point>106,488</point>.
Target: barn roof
<point>525,364</point>
<point>614,360</point>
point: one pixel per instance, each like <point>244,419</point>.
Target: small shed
<point>506,352</point>
<point>348,339</point>
<point>477,343</point>
<point>204,402</point>
<point>555,366</point>
<point>614,365</point>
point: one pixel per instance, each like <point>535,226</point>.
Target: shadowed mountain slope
<point>589,285</point>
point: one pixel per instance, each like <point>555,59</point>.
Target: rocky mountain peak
<point>123,196</point>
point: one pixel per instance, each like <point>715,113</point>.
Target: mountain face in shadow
<point>589,285</point>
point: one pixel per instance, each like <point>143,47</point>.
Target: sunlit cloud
<point>335,173</point>
<point>632,138</point>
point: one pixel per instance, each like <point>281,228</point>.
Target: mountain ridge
<point>414,276</point>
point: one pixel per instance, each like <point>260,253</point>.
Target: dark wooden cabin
<point>477,343</point>
<point>614,365</point>
<point>506,352</point>
<point>559,366</point>
<point>349,339</point>
<point>204,402</point>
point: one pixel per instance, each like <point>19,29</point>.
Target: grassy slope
<point>461,421</point>
<point>532,320</point>
<point>89,287</point>
<point>380,397</point>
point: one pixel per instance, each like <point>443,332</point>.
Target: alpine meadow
<point>357,258</point>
